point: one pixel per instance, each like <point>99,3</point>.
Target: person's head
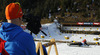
<point>84,40</point>
<point>13,13</point>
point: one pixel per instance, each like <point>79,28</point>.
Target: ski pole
<point>43,32</point>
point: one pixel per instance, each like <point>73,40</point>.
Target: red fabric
<point>2,50</point>
<point>84,40</point>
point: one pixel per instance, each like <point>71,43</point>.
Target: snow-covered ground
<point>63,49</point>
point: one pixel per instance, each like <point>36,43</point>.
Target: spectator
<point>13,40</point>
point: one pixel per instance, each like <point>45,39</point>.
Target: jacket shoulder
<point>24,35</point>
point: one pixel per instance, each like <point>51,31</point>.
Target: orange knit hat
<point>13,11</point>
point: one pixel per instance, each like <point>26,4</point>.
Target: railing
<point>59,41</point>
<point>52,42</point>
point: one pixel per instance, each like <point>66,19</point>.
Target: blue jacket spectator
<point>13,40</point>
<point>17,42</point>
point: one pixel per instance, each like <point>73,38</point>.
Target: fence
<point>52,42</point>
<point>59,41</point>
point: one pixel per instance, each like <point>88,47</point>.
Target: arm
<point>30,46</point>
<point>31,49</point>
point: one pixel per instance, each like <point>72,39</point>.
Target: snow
<point>63,49</point>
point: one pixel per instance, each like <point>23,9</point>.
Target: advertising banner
<point>88,23</point>
<point>80,23</point>
<point>96,23</point>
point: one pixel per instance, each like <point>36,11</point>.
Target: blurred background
<point>67,11</point>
